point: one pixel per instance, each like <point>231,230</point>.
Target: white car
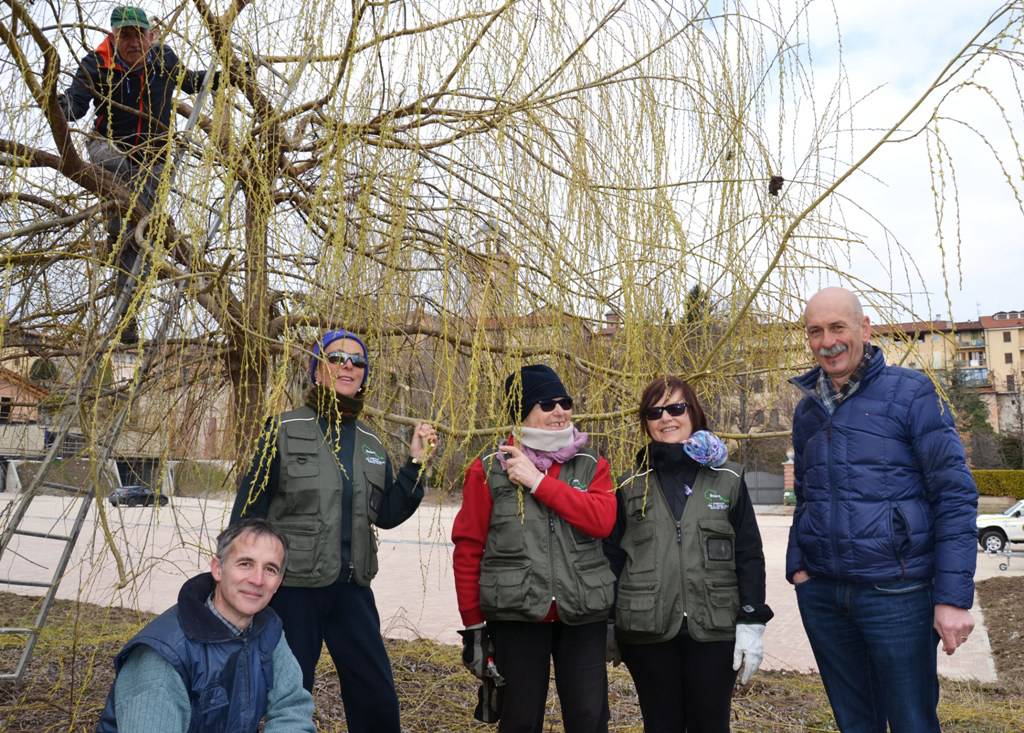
<point>996,531</point>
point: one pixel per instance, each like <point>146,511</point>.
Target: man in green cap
<point>131,82</point>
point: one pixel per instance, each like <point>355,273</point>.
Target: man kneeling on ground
<point>218,660</point>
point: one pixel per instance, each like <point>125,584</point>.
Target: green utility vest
<point>533,556</point>
<point>679,569</point>
<point>307,505</point>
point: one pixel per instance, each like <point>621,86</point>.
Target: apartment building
<point>987,355</point>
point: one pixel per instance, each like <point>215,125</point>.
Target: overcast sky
<point>903,44</point>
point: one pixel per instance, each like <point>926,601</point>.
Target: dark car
<point>135,496</point>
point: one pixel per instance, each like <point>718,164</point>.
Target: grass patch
<point>71,673</point>
<point>203,480</point>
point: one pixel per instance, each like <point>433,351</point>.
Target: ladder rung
<point>13,630</point>
<point>43,535</point>
<point>33,583</point>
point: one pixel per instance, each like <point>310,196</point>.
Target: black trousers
<point>523,653</point>
<point>683,685</point>
<point>345,616</point>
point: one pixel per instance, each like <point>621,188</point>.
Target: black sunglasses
<point>675,410</point>
<point>340,357</point>
<point>548,405</point>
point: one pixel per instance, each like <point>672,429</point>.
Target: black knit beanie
<point>539,383</point>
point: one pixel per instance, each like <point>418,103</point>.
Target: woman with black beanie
<point>324,479</point>
<point>531,579</point>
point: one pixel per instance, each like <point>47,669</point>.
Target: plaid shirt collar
<point>830,396</point>
<point>213,609</point>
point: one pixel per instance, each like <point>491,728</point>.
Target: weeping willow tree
<point>470,188</point>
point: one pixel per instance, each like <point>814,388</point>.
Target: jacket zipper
<point>551,562</point>
<point>834,501</point>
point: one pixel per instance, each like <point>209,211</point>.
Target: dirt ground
<point>71,674</point>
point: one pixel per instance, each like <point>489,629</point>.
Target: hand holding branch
<point>520,468</point>
<point>424,441</point>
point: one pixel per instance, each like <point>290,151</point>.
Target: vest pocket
<point>211,707</point>
<point>637,609</point>
<point>302,542</point>
<point>640,547</point>
<point>717,541</point>
<point>372,564</point>
<point>723,601</point>
<point>596,581</point>
<point>582,540</point>
<point>503,588</point>
<point>506,537</point>
<point>303,501</point>
<point>302,466</point>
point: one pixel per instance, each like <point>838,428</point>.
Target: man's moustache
<point>832,350</point>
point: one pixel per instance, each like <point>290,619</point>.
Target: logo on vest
<point>716,502</point>
<point>578,484</point>
<point>373,457</point>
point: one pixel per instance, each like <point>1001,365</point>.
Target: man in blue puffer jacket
<point>882,549</point>
<point>217,662</point>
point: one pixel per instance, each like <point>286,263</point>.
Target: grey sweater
<point>151,696</point>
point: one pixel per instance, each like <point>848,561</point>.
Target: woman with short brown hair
<point>690,610</point>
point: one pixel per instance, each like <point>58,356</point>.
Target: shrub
<point>202,478</point>
<point>1000,483</point>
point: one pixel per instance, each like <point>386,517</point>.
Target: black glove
<point>611,646</point>
<point>475,650</point>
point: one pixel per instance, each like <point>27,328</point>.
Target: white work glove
<point>749,650</point>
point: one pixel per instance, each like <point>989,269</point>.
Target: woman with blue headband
<point>324,479</point>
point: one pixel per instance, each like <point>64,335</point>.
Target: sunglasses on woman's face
<point>675,410</point>
<point>340,357</point>
<point>548,405</point>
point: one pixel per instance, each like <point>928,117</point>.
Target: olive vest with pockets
<point>307,506</point>
<point>679,569</point>
<point>533,556</point>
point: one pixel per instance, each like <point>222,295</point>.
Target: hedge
<point>1000,483</point>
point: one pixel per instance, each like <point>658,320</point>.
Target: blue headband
<point>329,338</point>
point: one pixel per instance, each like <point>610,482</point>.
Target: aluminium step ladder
<point>85,495</point>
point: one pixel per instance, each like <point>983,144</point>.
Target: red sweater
<point>591,512</point>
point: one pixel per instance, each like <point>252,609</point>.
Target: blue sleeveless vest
<point>227,676</point>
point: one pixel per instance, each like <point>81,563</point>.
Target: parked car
<point>135,496</point>
<point>996,531</point>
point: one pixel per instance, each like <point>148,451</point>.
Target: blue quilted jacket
<point>883,491</point>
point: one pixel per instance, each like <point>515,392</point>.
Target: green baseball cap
<point>126,16</point>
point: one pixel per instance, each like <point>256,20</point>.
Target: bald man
<point>882,547</point>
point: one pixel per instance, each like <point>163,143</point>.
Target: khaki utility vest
<point>679,569</point>
<point>307,505</point>
<point>533,556</point>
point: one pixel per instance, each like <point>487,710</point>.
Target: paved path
<point>415,592</point>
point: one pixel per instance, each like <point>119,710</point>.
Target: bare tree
<point>467,189</point>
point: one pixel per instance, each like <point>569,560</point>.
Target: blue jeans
<point>876,652</point>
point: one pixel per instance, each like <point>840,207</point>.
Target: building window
<point>1011,383</point>
<point>6,407</point>
<point>1008,358</point>
<point>1006,337</point>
